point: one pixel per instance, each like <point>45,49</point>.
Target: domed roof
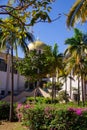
<point>36,45</point>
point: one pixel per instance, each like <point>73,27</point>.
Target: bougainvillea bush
<point>50,118</point>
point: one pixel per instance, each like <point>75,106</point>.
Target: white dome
<point>31,46</point>
<point>36,45</point>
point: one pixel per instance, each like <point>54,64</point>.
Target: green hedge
<point>4,111</point>
<point>50,118</point>
<point>41,100</point>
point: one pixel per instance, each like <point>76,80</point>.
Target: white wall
<point>74,85</point>
<point>2,80</point>
<point>17,86</point>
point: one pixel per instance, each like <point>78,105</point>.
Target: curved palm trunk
<point>12,88</point>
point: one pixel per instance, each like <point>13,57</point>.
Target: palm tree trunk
<point>12,88</point>
<point>57,79</point>
<point>8,73</point>
<point>82,84</point>
<point>66,89</point>
<point>52,89</point>
<point>78,92</point>
<point>70,86</point>
<point>85,88</point>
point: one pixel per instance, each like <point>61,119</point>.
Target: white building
<point>5,76</point>
<point>19,81</point>
<point>72,84</point>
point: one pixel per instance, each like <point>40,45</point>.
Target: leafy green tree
<point>33,62</point>
<point>27,13</point>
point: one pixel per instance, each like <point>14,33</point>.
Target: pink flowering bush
<point>48,115</point>
<point>19,112</point>
<point>50,118</point>
<point>22,109</point>
<point>77,111</point>
<point>71,119</point>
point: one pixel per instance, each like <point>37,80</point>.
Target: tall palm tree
<point>10,40</point>
<point>56,67</point>
<point>76,55</point>
<point>58,57</point>
<point>77,12</point>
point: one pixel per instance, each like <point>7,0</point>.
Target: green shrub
<point>47,100</point>
<point>4,111</point>
<point>63,96</point>
<point>51,118</point>
<point>30,99</point>
<point>32,117</point>
<point>41,100</point>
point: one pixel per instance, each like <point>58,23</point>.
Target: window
<point>3,65</point>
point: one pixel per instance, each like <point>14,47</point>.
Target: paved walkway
<point>19,98</point>
<point>22,96</point>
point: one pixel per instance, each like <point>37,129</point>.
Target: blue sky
<point>55,32</point>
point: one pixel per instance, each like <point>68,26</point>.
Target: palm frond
<point>75,13</point>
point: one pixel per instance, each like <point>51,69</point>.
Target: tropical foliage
<point>78,12</point>
<point>35,66</point>
<point>76,57</point>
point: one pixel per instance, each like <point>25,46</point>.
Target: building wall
<point>17,86</point>
<point>5,76</point>
<point>74,85</point>
<point>2,81</point>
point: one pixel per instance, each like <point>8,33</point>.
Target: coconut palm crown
<point>78,12</point>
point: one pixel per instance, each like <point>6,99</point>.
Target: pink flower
<point>19,106</point>
<point>27,106</point>
<point>78,112</point>
<point>19,115</point>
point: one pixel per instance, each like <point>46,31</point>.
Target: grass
<point>11,126</point>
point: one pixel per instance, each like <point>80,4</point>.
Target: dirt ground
<point>11,126</point>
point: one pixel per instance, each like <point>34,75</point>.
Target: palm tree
<point>75,54</point>
<point>56,67</point>
<point>77,12</point>
<point>10,40</point>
